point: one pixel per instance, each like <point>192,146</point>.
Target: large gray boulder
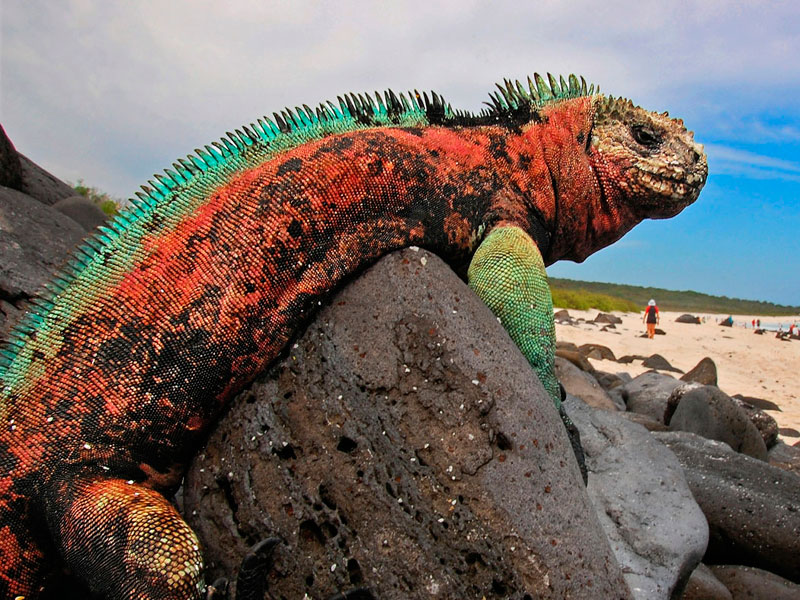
<point>657,530</point>
<point>767,426</point>
<point>10,166</point>
<point>81,210</point>
<point>656,361</point>
<point>686,318</point>
<point>597,351</point>
<point>41,185</point>
<point>35,241</point>
<point>704,372</point>
<point>753,509</point>
<point>648,393</point>
<point>703,585</point>
<point>403,445</point>
<point>711,413</point>
<point>755,584</point>
<point>786,457</point>
<point>583,385</point>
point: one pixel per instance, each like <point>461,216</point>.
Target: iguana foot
<point>354,594</point>
<point>217,590</point>
<point>252,580</point>
<point>574,436</point>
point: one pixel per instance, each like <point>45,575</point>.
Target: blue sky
<point>112,92</point>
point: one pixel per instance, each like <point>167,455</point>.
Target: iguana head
<point>609,164</point>
<point>651,159</point>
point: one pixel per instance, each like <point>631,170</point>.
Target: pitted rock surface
<point>403,445</point>
<point>703,585</point>
<point>583,385</point>
<point>704,372</point>
<point>82,210</point>
<point>767,426</point>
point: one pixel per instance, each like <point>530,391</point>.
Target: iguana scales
<point>109,384</point>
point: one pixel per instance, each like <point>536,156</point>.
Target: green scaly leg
<point>507,272</point>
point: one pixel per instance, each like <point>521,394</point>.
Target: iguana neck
<point>580,207</point>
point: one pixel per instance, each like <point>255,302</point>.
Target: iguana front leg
<point>507,272</point>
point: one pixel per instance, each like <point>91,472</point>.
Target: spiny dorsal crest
<point>177,192</point>
<point>512,95</point>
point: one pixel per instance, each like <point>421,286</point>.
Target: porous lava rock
<point>403,445</point>
<point>597,351</point>
<point>41,185</point>
<point>576,358</point>
<point>35,241</point>
<point>81,210</point>
<point>656,361</point>
<point>786,457</point>
<point>10,166</point>
<point>607,318</point>
<point>766,425</point>
<point>686,318</point>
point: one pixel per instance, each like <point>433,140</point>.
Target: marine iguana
<point>110,383</point>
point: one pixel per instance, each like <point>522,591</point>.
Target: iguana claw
<point>574,436</point>
<point>252,580</point>
<point>217,590</point>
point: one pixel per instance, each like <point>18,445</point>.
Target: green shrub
<point>678,301</point>
<point>579,299</point>
<point>107,204</point>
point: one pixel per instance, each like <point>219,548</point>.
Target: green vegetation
<point>589,294</point>
<point>107,204</point>
<point>580,299</point>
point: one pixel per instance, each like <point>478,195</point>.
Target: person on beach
<point>651,318</point>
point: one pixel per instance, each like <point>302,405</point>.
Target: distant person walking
<point>651,318</point>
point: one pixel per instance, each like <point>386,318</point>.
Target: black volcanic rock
<point>753,509</point>
<point>403,445</point>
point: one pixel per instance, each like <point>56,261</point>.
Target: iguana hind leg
<point>127,541</point>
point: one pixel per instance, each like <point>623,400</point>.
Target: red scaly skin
<point>146,368</point>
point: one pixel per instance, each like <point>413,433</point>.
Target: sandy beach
<point>749,364</point>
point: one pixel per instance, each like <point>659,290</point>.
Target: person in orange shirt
<point>651,318</point>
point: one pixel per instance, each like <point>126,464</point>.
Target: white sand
<point>760,366</point>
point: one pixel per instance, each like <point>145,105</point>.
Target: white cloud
<point>732,161</point>
<point>114,91</point>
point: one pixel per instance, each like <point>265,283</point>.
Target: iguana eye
<point>645,136</point>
